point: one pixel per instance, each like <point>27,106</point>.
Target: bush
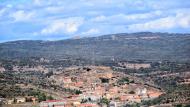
<point>131,92</point>
<point>104,80</point>
<point>104,101</point>
<point>78,92</point>
<point>42,97</point>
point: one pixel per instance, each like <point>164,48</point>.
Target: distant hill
<point>143,46</point>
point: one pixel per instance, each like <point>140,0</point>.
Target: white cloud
<point>92,31</point>
<point>127,17</point>
<point>21,15</point>
<point>99,18</point>
<point>9,6</point>
<point>48,2</point>
<point>49,17</point>
<point>55,9</point>
<point>67,26</point>
<point>110,3</point>
<point>184,22</point>
<point>183,19</point>
<point>180,20</point>
<point>143,15</point>
<point>37,2</point>
<point>163,23</point>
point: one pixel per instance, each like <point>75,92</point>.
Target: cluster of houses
<point>66,103</point>
<point>30,68</point>
<point>2,69</point>
<point>100,82</point>
<point>134,65</point>
<point>18,100</point>
<point>27,68</point>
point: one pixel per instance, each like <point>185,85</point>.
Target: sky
<point>62,19</point>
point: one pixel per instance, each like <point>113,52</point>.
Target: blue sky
<point>60,19</point>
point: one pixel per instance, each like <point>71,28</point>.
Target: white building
<point>141,91</point>
<point>113,104</point>
<point>52,103</point>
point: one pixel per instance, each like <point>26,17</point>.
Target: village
<point>85,86</point>
<point>119,85</point>
<point>95,83</point>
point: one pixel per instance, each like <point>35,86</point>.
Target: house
<point>135,65</point>
<point>105,75</point>
<point>113,90</point>
<point>1,101</point>
<point>2,69</point>
<point>99,90</point>
<point>67,80</point>
<point>79,84</point>
<point>123,98</point>
<point>162,105</point>
<point>88,105</point>
<point>76,104</point>
<point>20,100</point>
<point>90,96</point>
<point>53,103</point>
<point>108,75</point>
<point>153,94</point>
<point>127,97</point>
<point>141,91</point>
<point>136,99</point>
<point>9,101</point>
<point>34,100</point>
<point>31,99</point>
<point>113,104</point>
<point>130,98</point>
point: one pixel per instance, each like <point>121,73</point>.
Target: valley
<point>139,69</point>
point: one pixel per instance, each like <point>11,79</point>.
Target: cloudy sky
<point>61,19</point>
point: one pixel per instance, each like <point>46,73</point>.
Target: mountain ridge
<point>126,46</point>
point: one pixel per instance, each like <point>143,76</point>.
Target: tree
<point>78,92</point>
<point>42,97</point>
<point>104,80</point>
<point>50,97</point>
<point>104,101</point>
<point>179,105</point>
